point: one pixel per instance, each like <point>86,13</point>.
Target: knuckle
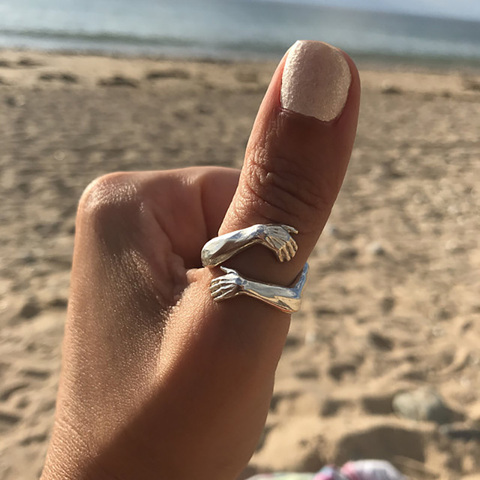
<point>283,191</point>
<point>110,198</point>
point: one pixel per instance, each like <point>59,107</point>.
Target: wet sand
<point>392,303</point>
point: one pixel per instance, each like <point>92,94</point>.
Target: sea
<point>232,29</point>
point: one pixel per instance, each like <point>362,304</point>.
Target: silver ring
<point>277,238</point>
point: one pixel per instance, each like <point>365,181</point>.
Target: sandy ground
<point>393,299</point>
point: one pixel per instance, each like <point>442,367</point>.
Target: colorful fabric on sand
<point>360,470</point>
<point>283,476</point>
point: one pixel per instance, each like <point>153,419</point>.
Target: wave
<point>114,42</point>
<point>98,37</point>
<point>121,42</point>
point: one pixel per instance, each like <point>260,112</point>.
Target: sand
<point>393,298</point>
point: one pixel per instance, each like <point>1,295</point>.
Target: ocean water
<point>231,29</point>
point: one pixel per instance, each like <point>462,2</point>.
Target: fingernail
<point>315,81</point>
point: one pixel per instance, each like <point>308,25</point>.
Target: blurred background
<point>383,360</point>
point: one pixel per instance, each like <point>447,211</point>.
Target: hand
<point>227,286</point>
<point>159,381</point>
<point>278,238</point>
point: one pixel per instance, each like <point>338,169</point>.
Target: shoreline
<point>364,61</point>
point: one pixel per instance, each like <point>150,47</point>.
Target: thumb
<point>297,154</point>
<point>294,166</point>
<point>223,355</point>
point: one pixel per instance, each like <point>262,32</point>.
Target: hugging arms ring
<point>277,238</point>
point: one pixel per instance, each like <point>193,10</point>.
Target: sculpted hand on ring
<point>278,238</point>
<point>228,285</point>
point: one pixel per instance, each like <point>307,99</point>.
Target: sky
<point>466,9</point>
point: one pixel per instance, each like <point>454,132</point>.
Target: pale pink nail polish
<point>316,80</point>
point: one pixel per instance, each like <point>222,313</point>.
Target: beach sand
<point>392,303</point>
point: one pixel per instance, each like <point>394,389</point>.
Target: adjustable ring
<point>278,238</point>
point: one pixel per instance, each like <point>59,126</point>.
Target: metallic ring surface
<point>277,238</point>
<point>232,284</point>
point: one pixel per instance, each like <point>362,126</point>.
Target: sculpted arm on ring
<point>231,284</point>
<point>277,238</point>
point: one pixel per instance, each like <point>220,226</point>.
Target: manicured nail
<point>315,80</point>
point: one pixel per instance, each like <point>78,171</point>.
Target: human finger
<point>295,162</point>
<point>297,154</point>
